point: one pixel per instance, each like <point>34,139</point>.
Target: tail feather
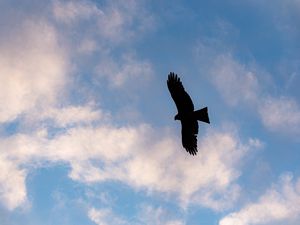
<point>202,115</point>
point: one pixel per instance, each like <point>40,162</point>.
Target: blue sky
<point>87,134</point>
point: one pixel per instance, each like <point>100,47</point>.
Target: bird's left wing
<point>182,100</point>
<point>189,131</point>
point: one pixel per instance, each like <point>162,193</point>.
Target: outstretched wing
<point>189,131</point>
<point>182,100</point>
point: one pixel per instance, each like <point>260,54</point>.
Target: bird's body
<point>186,114</point>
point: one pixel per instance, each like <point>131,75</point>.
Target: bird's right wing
<point>181,98</point>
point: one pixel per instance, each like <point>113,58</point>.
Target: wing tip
<point>192,151</point>
<point>173,77</point>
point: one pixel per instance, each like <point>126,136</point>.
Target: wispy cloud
<point>281,114</point>
<point>280,203</point>
<point>147,215</point>
<point>114,22</point>
<point>234,81</point>
<point>73,11</point>
<point>105,216</point>
<point>239,85</point>
<point>157,215</point>
<point>125,72</point>
<point>105,29</point>
<point>72,115</point>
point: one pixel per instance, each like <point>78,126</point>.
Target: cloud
<point>285,17</point>
<point>128,70</point>
<point>122,21</point>
<point>33,72</point>
<point>101,29</point>
<point>157,215</point>
<point>104,216</point>
<point>12,184</point>
<point>35,64</point>
<point>234,81</point>
<point>72,11</point>
<point>73,115</point>
<point>133,155</point>
<point>239,85</point>
<point>33,69</point>
<point>281,114</point>
<point>147,215</point>
<point>279,204</point>
<point>114,22</point>
<point>36,77</point>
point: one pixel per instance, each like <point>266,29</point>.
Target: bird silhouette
<point>186,114</point>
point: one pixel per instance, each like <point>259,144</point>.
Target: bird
<point>186,114</point>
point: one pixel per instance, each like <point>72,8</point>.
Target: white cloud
<point>175,222</point>
<point>147,215</point>
<point>129,70</point>
<point>34,66</point>
<point>138,157</point>
<point>114,22</point>
<point>122,21</point>
<point>35,74</point>
<point>104,216</point>
<point>235,82</point>
<point>72,115</point>
<point>12,184</point>
<point>279,204</point>
<point>34,79</point>
<point>33,69</point>
<point>72,11</point>
<point>87,46</point>
<point>150,215</point>
<point>105,26</point>
<point>281,114</point>
<point>239,85</point>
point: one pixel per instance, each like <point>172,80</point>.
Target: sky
<point>87,130</point>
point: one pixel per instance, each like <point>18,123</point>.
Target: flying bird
<point>186,114</point>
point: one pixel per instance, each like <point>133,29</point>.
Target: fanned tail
<point>202,115</point>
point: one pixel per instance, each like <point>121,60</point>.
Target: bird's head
<point>176,117</point>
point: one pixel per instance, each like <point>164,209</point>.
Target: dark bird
<point>186,114</point>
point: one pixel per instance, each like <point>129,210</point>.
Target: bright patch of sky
<point>87,134</point>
